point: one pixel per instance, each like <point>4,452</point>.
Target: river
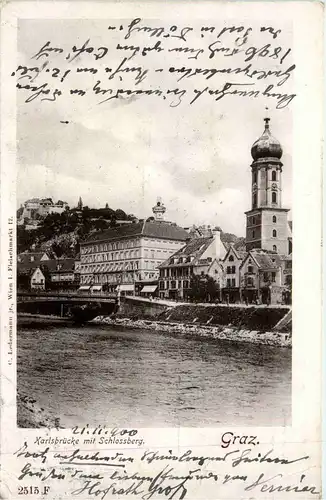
<point>115,376</point>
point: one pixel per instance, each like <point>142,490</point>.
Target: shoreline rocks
<point>229,333</point>
<point>31,416</point>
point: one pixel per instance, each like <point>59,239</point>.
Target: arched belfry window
<point>274,233</point>
<point>274,248</point>
<point>274,197</point>
<point>274,175</point>
<point>274,219</point>
<point>255,177</point>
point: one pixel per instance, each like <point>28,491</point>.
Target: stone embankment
<point>32,416</point>
<point>230,333</point>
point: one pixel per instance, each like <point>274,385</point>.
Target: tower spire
<point>266,119</point>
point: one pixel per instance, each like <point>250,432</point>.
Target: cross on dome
<point>267,119</point>
<point>266,146</point>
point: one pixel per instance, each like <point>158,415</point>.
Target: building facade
<point>200,256</point>
<point>129,255</point>
<point>37,281</point>
<point>36,208</point>
<point>231,266</point>
<point>265,277</point>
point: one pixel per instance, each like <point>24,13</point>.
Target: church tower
<point>267,221</point>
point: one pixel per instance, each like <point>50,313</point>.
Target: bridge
<point>66,297</point>
<point>79,305</point>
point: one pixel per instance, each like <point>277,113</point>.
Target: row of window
<point>256,220</point>
<point>254,199</point>
<point>128,254</point>
<point>165,285</point>
<point>174,272</point>
<point>181,260</point>
<point>267,277</point>
<point>274,233</point>
<point>230,282</point>
<point>230,270</point>
<point>98,268</point>
<point>274,176</point>
<point>121,266</point>
<point>118,245</point>
<point>104,247</point>
<point>115,278</point>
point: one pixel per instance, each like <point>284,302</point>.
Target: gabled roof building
<point>128,256</point>
<point>200,256</point>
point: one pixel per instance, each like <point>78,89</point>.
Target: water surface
<point>103,375</point>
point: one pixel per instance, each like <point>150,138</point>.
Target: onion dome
<point>266,146</point>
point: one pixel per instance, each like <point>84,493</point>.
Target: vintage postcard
<point>161,170</point>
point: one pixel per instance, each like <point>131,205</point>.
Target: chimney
<point>217,242</point>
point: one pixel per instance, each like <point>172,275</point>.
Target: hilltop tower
<point>267,221</point>
<point>159,210</point>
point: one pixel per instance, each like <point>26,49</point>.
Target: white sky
<point>197,158</point>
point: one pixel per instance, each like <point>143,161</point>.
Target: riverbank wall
<point>263,324</point>
<point>262,318</point>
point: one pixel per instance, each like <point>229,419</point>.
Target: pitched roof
<point>25,258</point>
<point>59,265</point>
<point>25,268</point>
<point>151,229</point>
<point>194,248</point>
<point>240,254</point>
<point>267,260</point>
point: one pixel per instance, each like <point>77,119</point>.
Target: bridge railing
<point>67,293</point>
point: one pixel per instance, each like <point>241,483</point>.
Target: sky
<point>129,152</point>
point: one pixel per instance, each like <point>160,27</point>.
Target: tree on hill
<point>113,221</point>
<point>238,241</point>
<point>20,212</point>
<point>57,249</point>
<point>25,239</point>
<point>101,224</point>
<point>120,214</point>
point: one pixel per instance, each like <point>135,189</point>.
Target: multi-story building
<point>62,274</point>
<point>200,256</point>
<point>44,274</point>
<point>265,277</point>
<point>129,255</point>
<point>231,266</point>
<point>36,208</point>
<point>27,263</point>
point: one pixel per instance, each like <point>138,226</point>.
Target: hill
<point>62,234</point>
